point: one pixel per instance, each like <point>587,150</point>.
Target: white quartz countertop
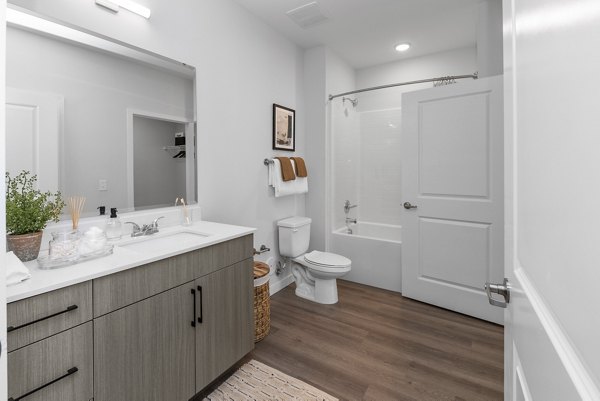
<point>123,258</point>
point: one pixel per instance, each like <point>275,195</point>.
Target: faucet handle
<point>136,227</point>
<point>348,206</point>
<point>155,222</point>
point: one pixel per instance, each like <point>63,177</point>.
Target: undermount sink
<point>163,243</point>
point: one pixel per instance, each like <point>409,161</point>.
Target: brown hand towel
<point>287,171</point>
<point>300,167</point>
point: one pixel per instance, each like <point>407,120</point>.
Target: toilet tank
<point>294,236</point>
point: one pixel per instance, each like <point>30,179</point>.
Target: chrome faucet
<point>350,221</point>
<point>348,206</point>
<point>146,229</point>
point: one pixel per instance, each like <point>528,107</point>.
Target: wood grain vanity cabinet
<point>50,346</point>
<point>145,351</point>
<point>58,368</point>
<point>225,328</point>
<point>161,331</point>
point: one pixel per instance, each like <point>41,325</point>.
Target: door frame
<point>3,355</point>
<point>190,149</point>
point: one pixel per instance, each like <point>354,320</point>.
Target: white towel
<point>301,182</point>
<point>16,271</point>
<point>282,188</point>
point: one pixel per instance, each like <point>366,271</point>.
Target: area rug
<point>256,381</point>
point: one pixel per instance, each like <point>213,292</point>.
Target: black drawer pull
<point>194,319</point>
<point>201,312</point>
<point>69,373</point>
<point>69,309</point>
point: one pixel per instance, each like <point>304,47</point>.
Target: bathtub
<point>376,253</point>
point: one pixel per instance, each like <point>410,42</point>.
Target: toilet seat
<point>326,261</point>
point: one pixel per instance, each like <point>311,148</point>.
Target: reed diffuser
<point>186,219</point>
<point>75,204</point>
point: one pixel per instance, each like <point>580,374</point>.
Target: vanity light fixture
<point>115,5</point>
<point>402,47</point>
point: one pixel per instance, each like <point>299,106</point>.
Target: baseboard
<point>275,287</point>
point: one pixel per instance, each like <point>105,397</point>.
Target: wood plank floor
<point>377,345</point>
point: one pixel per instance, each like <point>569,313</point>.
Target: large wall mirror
<point>97,118</point>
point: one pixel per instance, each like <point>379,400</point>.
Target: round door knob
<point>407,205</point>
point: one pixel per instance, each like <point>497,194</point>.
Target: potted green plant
<point>28,211</point>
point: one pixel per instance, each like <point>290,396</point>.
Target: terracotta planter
<point>25,246</point>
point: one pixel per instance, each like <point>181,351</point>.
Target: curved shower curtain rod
<point>420,81</point>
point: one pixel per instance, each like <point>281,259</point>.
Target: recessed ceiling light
<point>402,47</point>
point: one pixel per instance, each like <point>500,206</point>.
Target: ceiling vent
<point>307,15</point>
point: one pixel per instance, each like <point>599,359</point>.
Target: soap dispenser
<point>113,226</point>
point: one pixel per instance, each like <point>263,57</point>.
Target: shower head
<point>353,101</point>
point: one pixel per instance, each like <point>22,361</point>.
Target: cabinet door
<point>58,368</point>
<point>226,331</point>
<point>145,351</point>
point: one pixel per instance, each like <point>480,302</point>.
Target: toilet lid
<point>327,259</point>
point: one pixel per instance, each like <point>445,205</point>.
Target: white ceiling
<point>364,32</point>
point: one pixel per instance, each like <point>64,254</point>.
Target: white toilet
<point>315,272</point>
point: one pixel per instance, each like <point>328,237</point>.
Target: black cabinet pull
<point>69,373</point>
<point>69,309</point>
<point>201,313</point>
<point>194,319</point>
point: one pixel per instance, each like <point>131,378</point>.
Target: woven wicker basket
<point>262,301</point>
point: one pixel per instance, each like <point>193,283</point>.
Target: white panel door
<point>33,132</point>
<point>552,325</point>
<point>453,173</point>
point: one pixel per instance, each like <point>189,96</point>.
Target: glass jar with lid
<point>64,245</point>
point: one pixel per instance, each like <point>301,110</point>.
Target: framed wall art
<point>284,128</point>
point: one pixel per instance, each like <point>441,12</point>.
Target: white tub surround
<point>375,251</point>
<point>202,234</point>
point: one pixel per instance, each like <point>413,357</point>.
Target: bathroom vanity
<point>145,323</point>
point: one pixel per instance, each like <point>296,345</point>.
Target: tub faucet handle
<point>348,206</point>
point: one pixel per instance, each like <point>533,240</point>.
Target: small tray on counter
<point>46,263</point>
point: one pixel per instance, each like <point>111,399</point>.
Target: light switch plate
<point>102,185</point>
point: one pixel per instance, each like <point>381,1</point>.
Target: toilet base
<point>319,290</point>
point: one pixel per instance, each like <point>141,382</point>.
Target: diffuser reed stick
<point>75,204</point>
<point>186,220</point>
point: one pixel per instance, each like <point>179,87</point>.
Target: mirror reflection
<point>99,119</point>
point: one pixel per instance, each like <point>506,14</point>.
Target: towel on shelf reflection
<point>285,188</point>
<point>16,271</point>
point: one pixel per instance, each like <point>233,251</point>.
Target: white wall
<point>325,73</point>
<point>452,62</point>
<point>341,134</point>
<point>158,178</point>
<point>315,62</point>
<point>345,157</point>
<point>380,187</point>
<point>98,88</point>
<point>489,38</point>
<point>243,67</point>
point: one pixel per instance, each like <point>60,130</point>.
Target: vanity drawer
<point>58,368</point>
<point>233,251</point>
<point>127,287</point>
<point>33,319</point>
